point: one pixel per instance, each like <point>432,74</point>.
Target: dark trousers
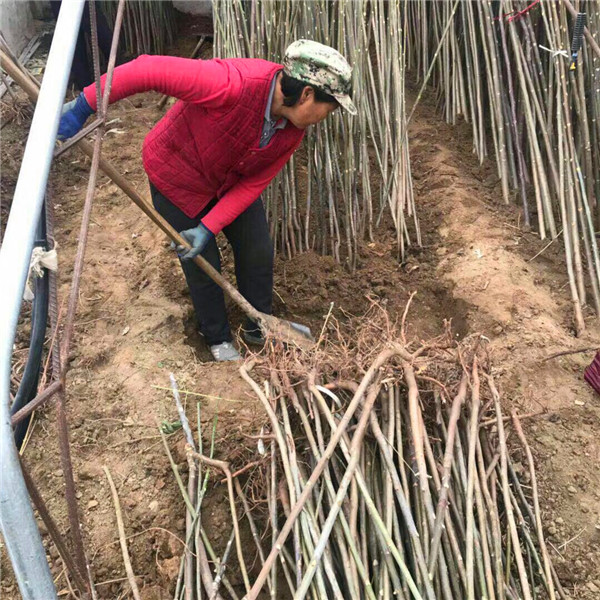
<point>253,253</point>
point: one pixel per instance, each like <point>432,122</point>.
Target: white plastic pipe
<point>17,521</point>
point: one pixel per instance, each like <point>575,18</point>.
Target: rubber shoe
<point>253,338</point>
<point>224,352</point>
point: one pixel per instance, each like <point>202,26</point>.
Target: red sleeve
<point>210,82</point>
<point>243,194</point>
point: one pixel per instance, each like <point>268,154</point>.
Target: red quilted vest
<point>195,154</point>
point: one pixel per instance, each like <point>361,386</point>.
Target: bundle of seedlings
<point>355,169</point>
<point>149,27</point>
<point>386,474</point>
<point>526,76</point>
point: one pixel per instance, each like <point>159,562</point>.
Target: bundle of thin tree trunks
<point>509,69</point>
<point>353,170</point>
<point>382,470</point>
<point>505,67</point>
<point>149,26</point>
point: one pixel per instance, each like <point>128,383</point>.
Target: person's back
<point>199,150</point>
<point>208,141</point>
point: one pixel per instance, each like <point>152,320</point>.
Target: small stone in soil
<point>572,490</point>
<point>87,474</point>
<point>592,587</point>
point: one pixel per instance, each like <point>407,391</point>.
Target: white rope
<point>40,259</point>
<point>555,52</point>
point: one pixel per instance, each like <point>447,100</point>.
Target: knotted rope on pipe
<point>40,259</point>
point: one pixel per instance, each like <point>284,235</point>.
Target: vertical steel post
<point>17,521</point>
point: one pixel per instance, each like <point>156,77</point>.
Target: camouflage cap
<point>321,66</point>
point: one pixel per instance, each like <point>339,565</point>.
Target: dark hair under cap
<point>292,90</point>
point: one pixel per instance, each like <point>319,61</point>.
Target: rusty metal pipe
<point>91,190</point>
<point>38,401</point>
<point>61,416</point>
<point>72,141</point>
<point>63,435</point>
<point>53,530</point>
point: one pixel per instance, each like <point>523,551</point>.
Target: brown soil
<point>135,325</point>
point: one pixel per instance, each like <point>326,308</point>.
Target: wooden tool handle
<point>108,169</point>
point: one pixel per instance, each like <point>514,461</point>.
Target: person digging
<point>208,160</point>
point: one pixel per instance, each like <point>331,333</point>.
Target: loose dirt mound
<point>135,325</point>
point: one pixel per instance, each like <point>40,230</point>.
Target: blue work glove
<point>197,238</point>
<point>74,115</point>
